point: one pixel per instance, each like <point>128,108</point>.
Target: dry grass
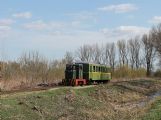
<point>8,85</point>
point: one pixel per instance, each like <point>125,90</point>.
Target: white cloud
<point>76,23</point>
<point>5,31</point>
<point>25,15</point>
<point>155,20</point>
<point>84,15</point>
<point>75,38</point>
<point>36,25</point>
<point>83,19</point>
<point>41,25</point>
<point>55,25</point>
<point>64,41</point>
<point>132,29</point>
<point>124,32</point>
<point>69,40</point>
<point>5,27</point>
<point>6,22</point>
<point>119,8</point>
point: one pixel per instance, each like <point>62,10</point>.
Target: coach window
<point>99,69</point>
<point>94,68</point>
<point>103,69</point>
<point>107,70</point>
<point>90,68</point>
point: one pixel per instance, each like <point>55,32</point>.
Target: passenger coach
<point>86,73</point>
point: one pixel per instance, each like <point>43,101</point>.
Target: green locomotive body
<point>86,73</point>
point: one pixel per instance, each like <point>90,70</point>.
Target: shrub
<point>157,73</point>
<point>126,72</point>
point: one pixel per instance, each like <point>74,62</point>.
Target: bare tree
<point>33,66</point>
<point>57,68</point>
<point>69,58</point>
<point>123,53</point>
<point>84,53</point>
<point>12,70</point>
<point>134,50</point>
<point>106,52</point>
<point>131,47</point>
<point>96,54</point>
<point>149,52</point>
<point>110,55</point>
<point>44,70</point>
<point>137,52</point>
<point>156,34</point>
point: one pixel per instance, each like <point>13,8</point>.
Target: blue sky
<point>53,27</point>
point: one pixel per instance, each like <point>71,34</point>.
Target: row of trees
<point>136,53</point>
<point>133,56</point>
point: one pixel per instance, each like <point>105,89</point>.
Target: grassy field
<point>128,100</point>
<point>154,113</point>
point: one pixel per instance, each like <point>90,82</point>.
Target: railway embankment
<point>131,100</point>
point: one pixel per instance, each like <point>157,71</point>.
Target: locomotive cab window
<point>80,67</point>
<point>73,67</point>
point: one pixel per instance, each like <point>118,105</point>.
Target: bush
<point>157,73</point>
<point>126,72</point>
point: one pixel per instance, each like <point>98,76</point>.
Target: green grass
<point>154,113</point>
<point>112,101</point>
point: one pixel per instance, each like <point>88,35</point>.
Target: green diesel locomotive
<point>86,73</point>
